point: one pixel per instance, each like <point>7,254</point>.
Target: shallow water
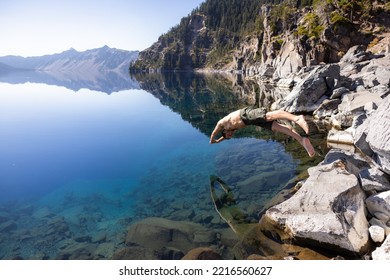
<point>79,167</point>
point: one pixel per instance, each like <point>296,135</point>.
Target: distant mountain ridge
<point>103,69</point>
<point>96,60</point>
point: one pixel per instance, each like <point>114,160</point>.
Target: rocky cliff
<point>273,41</point>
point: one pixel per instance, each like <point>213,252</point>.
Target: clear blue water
<point>51,136</point>
<point>100,162</point>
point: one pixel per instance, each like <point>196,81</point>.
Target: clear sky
<point>38,27</point>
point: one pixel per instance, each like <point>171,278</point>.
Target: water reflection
<point>104,81</point>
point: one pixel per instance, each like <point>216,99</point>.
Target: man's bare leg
<point>304,141</point>
<point>283,115</point>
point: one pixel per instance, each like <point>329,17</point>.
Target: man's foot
<point>302,123</point>
<point>308,147</point>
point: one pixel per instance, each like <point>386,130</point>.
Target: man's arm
<point>216,130</point>
<point>219,140</point>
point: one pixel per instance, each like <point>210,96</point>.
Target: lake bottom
<point>92,218</point>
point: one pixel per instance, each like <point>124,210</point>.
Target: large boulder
<point>327,211</point>
<point>375,131</point>
<point>289,60</point>
<point>312,90</point>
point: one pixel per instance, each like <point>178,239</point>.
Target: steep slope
<point>266,37</point>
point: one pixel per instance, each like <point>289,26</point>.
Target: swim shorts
<point>255,116</point>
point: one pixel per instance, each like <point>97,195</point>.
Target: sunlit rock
<point>328,211</point>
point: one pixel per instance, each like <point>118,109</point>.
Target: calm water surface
<point>87,163</point>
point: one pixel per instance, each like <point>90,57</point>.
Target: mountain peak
<point>70,50</point>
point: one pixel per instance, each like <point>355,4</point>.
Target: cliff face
<point>178,50</point>
<point>312,36</point>
<point>274,41</point>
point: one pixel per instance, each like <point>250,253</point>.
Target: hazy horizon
<point>59,52</point>
<point>36,28</point>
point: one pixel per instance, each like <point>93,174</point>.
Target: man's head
<point>227,134</point>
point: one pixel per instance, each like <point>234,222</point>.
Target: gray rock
<point>266,71</point>
<point>309,93</point>
<point>383,252</point>
<point>327,109</point>
<point>349,69</point>
<point>381,90</point>
<point>356,54</point>
<point>338,92</point>
<point>376,222</point>
<point>377,233</point>
<point>288,61</point>
<point>361,142</point>
<point>286,83</point>
<point>327,211</point>
<point>378,133</point>
<point>352,162</point>
<point>379,206</point>
<point>374,180</point>
<point>342,120</point>
<point>343,136</point>
<point>377,72</point>
<point>355,101</point>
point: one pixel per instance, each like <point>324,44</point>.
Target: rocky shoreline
<point>342,209</point>
<point>344,205</point>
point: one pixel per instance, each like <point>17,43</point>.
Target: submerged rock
<point>8,226</point>
<point>158,234</point>
<point>202,254</point>
<point>134,253</point>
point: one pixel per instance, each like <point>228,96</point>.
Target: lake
<point>78,166</point>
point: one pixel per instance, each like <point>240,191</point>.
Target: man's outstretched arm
<point>219,140</point>
<point>216,130</point>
